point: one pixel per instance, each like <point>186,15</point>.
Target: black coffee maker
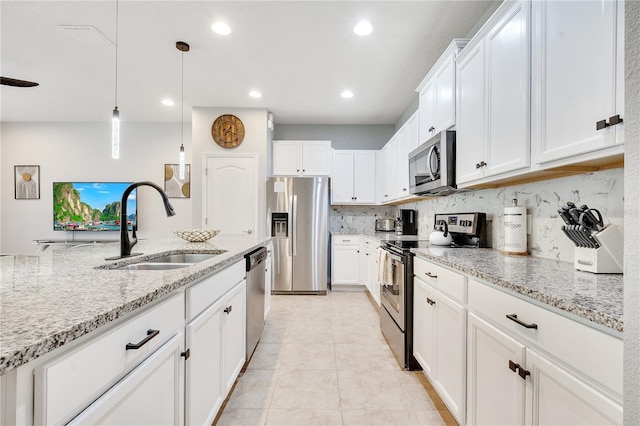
<point>406,223</point>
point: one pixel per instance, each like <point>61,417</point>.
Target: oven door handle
<point>392,255</point>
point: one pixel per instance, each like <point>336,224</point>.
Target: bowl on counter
<point>197,235</point>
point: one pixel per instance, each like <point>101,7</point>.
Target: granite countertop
<point>56,296</point>
<point>597,298</point>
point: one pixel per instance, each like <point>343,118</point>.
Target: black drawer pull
<point>150,335</point>
<point>513,366</point>
<point>615,120</point>
<point>601,124</point>
<point>430,275</point>
<point>514,318</point>
<point>228,309</point>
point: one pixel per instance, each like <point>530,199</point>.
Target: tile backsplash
<point>601,190</point>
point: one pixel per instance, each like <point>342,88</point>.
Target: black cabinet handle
<point>481,164</point>
<point>430,275</point>
<point>514,318</point>
<point>228,309</point>
<point>431,301</point>
<point>150,335</point>
<point>186,354</point>
<point>601,124</point>
<point>431,129</point>
<point>517,368</point>
<point>615,120</point>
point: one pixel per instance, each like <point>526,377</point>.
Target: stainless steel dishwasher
<point>255,297</point>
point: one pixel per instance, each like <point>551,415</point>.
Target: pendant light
<point>115,120</point>
<point>182,47</point>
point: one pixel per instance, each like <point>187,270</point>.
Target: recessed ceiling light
<point>347,94</point>
<point>221,28</point>
<point>168,102</point>
<point>363,28</point>
<point>255,94</point>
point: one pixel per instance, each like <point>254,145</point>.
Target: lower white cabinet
<point>495,395</point>
<point>151,394</point>
<point>345,261</point>
<point>369,268</point>
<point>527,365</point>
<point>216,343</point>
<point>439,344</point>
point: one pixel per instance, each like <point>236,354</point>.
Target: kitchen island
<point>57,296</point>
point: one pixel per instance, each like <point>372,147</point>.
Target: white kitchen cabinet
<point>301,158</point>
<point>215,339</point>
<point>407,141</point>
<point>370,268</point>
<point>70,382</point>
<point>354,177</point>
<point>151,394</point>
<point>471,137</point>
<point>234,317</point>
<point>495,395</point>
<point>439,343</point>
<point>345,261</point>
<point>437,94</point>
<point>578,80</point>
<point>389,155</point>
<point>538,367</point>
<point>493,134</point>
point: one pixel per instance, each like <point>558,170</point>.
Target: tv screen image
<point>91,206</point>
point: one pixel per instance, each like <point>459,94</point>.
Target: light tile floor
<point>322,360</point>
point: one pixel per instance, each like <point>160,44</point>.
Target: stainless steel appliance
<point>396,301</point>
<point>466,229</point>
<point>432,166</point>
<point>298,216</point>
<point>385,225</point>
<point>255,297</point>
<point>406,223</point>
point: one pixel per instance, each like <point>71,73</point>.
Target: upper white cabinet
<point>301,158</point>
<point>578,78</point>
<point>407,141</point>
<point>437,94</point>
<point>354,177</point>
<point>493,97</point>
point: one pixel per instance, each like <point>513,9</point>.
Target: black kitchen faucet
<point>127,244</point>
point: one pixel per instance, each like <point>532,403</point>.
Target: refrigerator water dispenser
<point>280,225</point>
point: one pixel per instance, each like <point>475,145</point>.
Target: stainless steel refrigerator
<point>298,223</point>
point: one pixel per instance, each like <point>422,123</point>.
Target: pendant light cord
<point>116,88</point>
<point>182,95</point>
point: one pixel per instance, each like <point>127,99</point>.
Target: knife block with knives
<point>599,249</point>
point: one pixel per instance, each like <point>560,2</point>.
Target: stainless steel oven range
<point>396,307</point>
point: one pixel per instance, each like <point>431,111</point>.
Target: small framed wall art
<point>173,185</point>
<point>27,182</point>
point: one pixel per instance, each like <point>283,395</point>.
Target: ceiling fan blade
<point>17,83</point>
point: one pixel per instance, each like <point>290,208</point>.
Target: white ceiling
<point>299,54</point>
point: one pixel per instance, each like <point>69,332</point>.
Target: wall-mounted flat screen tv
<point>92,206</point>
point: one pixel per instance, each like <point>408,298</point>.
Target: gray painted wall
<point>341,136</point>
<point>632,215</point>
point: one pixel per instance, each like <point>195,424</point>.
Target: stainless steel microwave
<point>432,166</point>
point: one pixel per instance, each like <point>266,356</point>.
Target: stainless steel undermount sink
<point>167,261</point>
<point>182,258</point>
<point>154,266</point>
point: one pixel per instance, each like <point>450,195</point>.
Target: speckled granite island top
<point>595,297</point>
<point>57,296</point>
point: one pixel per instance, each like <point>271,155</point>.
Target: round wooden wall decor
<point>228,131</point>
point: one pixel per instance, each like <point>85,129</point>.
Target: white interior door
<point>231,194</point>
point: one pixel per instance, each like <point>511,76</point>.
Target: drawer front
<point>203,294</point>
<point>371,243</point>
<point>444,280</point>
<point>594,353</point>
<point>353,240</point>
<point>69,383</point>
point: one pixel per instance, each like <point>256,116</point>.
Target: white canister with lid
<point>515,229</point>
